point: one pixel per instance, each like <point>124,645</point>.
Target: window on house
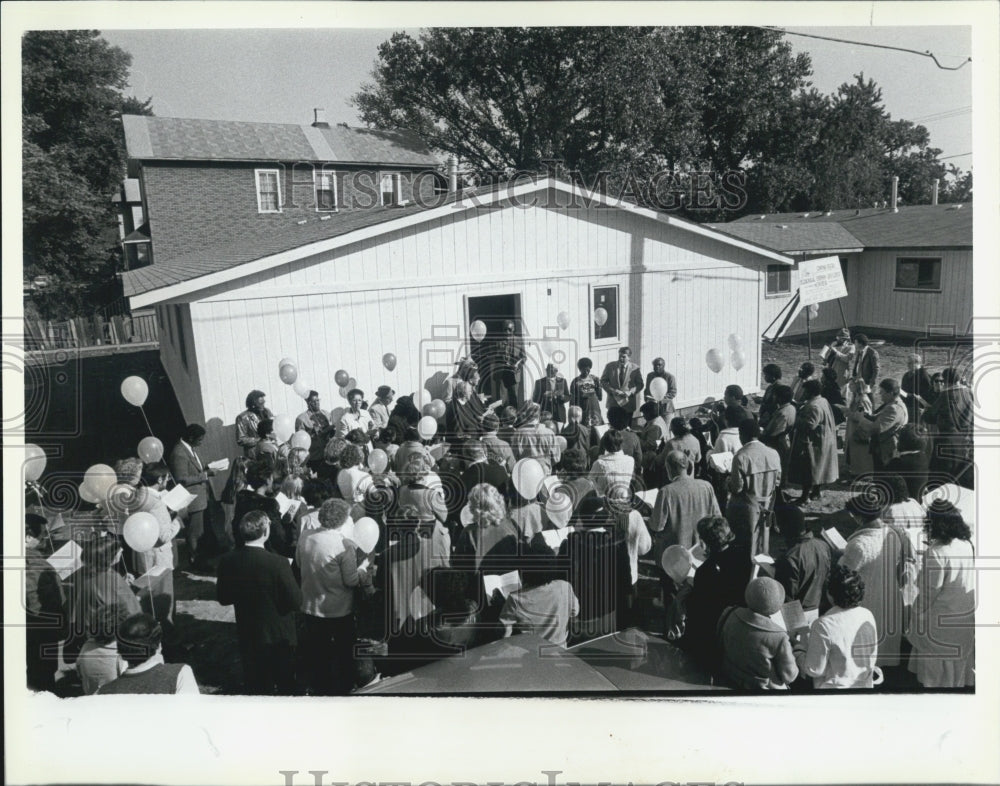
<point>326,190</point>
<point>918,273</point>
<point>779,280</point>
<point>390,189</point>
<point>268,191</point>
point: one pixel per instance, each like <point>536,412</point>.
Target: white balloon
<point>658,388</point>
<point>284,427</point>
<point>600,316</point>
<point>478,330</point>
<point>528,476</point>
<point>366,534</point>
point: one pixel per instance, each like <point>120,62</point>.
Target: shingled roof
<point>186,139</point>
<point>792,238</point>
<point>913,226</point>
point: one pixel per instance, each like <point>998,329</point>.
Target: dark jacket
<point>262,588</point>
<point>866,367</point>
<point>283,538</point>
<point>804,571</point>
<point>556,403</point>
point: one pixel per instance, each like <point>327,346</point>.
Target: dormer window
<point>268,190</point>
<point>326,191</point>
<point>390,189</point>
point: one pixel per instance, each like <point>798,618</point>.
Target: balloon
<point>300,440</point>
<point>735,342</point>
<point>563,320</point>
<point>427,427</point>
<point>676,563</point>
<point>141,531</point>
<point>658,388</point>
<point>378,461</point>
<point>435,408</point>
<point>99,479</point>
<point>389,361</point>
<point>351,384</point>
<point>288,373</point>
<point>285,362</point>
<point>528,475</point>
<point>284,427</point>
<point>714,360</point>
<point>548,347</point>
<point>301,389</point>
<point>150,450</point>
<point>135,390</point>
<point>366,534</point>
<point>559,509</point>
<point>814,311</point>
<point>87,495</point>
<point>478,330</point>
<point>561,442</point>
<point>600,316</point>
<point>341,378</point>
<point>342,390</point>
<point>738,359</point>
<point>34,462</point>
<point>422,398</point>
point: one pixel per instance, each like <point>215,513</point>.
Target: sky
<point>281,75</point>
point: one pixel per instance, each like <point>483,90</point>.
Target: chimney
<point>452,174</point>
<point>934,191</point>
<point>319,118</point>
<point>895,193</point>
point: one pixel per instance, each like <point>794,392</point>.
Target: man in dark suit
<point>262,588</point>
<point>551,393</point>
<point>190,471</point>
<point>480,470</point>
<point>866,363</point>
<point>622,380</point>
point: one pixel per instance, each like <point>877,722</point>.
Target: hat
<point>764,595</point>
<point>676,562</point>
<point>844,333</point>
<point>490,421</point>
<point>384,390</point>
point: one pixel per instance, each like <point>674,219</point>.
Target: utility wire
<point>945,115</point>
<point>957,155</point>
<point>926,53</point>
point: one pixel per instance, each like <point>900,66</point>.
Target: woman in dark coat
<point>813,459</point>
<point>551,393</point>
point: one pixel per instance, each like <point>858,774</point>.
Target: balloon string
<point>169,473</point>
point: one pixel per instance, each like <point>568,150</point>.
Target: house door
<point>493,354</point>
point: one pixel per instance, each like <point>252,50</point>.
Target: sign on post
<point>821,280</point>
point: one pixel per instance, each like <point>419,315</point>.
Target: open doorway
<point>496,354</point>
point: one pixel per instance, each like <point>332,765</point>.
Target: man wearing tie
<point>314,421</point>
<point>623,382</point>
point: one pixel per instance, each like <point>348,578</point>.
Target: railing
<point>94,331</point>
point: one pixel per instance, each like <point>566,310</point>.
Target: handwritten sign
<point>821,280</point>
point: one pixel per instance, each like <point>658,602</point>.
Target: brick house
<point>197,184</point>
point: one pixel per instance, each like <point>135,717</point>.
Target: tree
<point>73,160</point>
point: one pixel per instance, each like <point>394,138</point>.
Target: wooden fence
<point>95,331</point>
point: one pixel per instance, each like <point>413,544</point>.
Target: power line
<point>957,155</point>
<point>926,53</point>
<point>945,115</point>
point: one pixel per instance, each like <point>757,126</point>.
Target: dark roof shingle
<point>187,139</point>
<point>914,226</point>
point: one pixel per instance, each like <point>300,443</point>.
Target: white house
<point>409,280</point>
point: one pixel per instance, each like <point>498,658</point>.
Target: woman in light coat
<point>813,459</point>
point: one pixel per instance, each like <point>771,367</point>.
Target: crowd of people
<point>511,516</point>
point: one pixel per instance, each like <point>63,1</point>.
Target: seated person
<point>840,648</point>
<point>756,652</point>
<point>140,646</point>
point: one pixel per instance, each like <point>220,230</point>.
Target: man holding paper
<point>190,471</point>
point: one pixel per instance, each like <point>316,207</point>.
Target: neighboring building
<point>197,184</point>
<point>908,271</point>
<point>341,293</point>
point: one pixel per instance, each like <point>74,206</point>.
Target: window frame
<point>317,175</point>
<point>601,342</point>
<point>932,289</point>
<point>395,178</point>
<point>779,269</point>
<point>277,179</point>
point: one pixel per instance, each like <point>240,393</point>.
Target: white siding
<point>405,293</point>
